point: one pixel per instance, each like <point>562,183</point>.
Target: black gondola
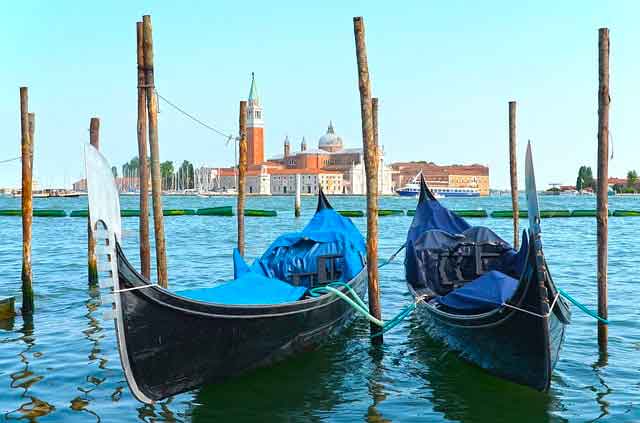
<point>172,342</point>
<point>497,307</point>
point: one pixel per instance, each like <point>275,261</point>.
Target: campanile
<point>255,126</point>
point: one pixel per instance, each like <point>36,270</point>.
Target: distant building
<point>337,169</point>
<point>452,176</point>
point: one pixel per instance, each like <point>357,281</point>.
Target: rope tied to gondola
<point>566,295</point>
<point>358,305</point>
<point>542,316</point>
<point>393,256</point>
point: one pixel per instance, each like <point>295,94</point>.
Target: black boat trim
<point>323,203</point>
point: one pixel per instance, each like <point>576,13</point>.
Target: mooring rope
<point>10,160</point>
<point>582,307</point>
<point>542,316</point>
<point>358,305</point>
<point>393,256</point>
<point>195,119</point>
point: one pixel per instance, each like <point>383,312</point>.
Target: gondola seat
<point>485,293</point>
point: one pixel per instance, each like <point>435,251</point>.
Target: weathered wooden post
<point>156,182</point>
<point>143,169</point>
<point>371,170</point>
<point>513,170</point>
<point>27,199</point>
<point>603,182</point>
<point>92,260</point>
<point>242,172</point>
<point>297,200</point>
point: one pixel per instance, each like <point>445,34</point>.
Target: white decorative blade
<point>104,199</point>
<point>532,193</point>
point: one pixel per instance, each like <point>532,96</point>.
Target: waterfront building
<point>337,169</point>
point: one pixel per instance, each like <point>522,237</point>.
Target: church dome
<point>330,141</point>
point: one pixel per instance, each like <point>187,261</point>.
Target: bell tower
<point>255,126</point>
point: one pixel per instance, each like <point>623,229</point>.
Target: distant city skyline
<point>444,73</point>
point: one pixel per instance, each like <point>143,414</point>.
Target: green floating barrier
<point>49,213</point>
<point>123,213</point>
<point>260,213</point>
<point>388,212</point>
<point>36,213</point>
<point>351,213</point>
<point>587,213</point>
<point>471,213</point>
<point>215,211</point>
<point>508,213</point>
<point>177,212</point>
<point>130,213</point>
<point>554,213</point>
<point>466,213</point>
<point>626,213</point>
<point>10,212</point>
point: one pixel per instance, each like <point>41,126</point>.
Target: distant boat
<point>412,189</point>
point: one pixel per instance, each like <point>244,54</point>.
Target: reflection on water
<point>93,333</point>
<point>463,392</point>
<point>376,388</point>
<point>298,389</point>
<point>25,378</point>
<point>604,389</point>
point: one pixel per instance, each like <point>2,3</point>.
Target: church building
<point>337,169</point>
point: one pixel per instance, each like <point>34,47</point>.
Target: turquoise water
<point>63,365</point>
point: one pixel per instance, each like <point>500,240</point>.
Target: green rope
<point>358,305</point>
<point>582,306</point>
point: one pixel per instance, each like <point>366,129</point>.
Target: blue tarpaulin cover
<point>483,294</point>
<point>250,288</point>
<point>327,233</point>
<point>265,281</point>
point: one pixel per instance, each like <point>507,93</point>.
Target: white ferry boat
<point>412,189</point>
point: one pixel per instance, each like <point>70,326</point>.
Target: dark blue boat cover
<point>485,293</point>
<point>472,268</point>
<point>266,280</point>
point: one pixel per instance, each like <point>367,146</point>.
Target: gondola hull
<point>174,344</point>
<point>507,342</point>
<point>497,307</point>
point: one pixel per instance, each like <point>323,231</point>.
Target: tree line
<point>586,180</point>
<point>182,178</point>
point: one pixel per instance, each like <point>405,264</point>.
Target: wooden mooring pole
<point>296,205</point>
<point>371,171</point>
<point>143,166</point>
<point>603,182</point>
<point>92,260</point>
<point>27,127</point>
<point>513,171</point>
<point>156,181</point>
<point>242,172</point>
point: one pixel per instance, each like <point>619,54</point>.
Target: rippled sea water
<point>62,364</point>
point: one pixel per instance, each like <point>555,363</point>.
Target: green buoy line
<point>228,211</point>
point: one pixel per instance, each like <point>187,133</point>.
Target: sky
<point>444,72</point>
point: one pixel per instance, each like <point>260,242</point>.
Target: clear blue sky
<point>444,73</point>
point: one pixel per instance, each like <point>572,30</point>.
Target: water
<point>63,365</point>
